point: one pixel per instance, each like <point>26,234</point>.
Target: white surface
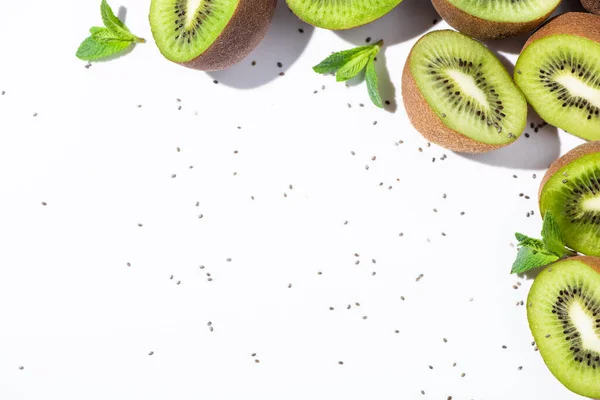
<point>82,323</point>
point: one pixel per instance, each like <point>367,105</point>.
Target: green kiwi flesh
<point>510,11</point>
<point>563,310</point>
<point>572,193</point>
<point>184,30</point>
<point>341,14</point>
<point>560,76</point>
<point>468,88</point>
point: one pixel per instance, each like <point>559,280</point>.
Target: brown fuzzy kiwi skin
<point>592,6</point>
<point>429,124</point>
<point>576,153</point>
<point>593,262</point>
<point>481,28</point>
<point>574,23</point>
<point>246,28</point>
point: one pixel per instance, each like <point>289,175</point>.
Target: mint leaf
<point>337,60</point>
<point>91,49</point>
<point>110,20</point>
<point>373,83</point>
<point>349,63</point>
<point>532,243</point>
<point>108,41</point>
<point>528,259</point>
<point>106,35</point>
<point>551,235</point>
<point>354,65</point>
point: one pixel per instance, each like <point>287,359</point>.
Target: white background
<point>82,323</point>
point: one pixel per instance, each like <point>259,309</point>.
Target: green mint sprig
<point>109,40</point>
<point>535,253</point>
<point>349,63</point>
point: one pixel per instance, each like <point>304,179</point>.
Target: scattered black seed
<point>368,40</point>
<point>402,298</point>
<point>526,134</point>
<point>340,362</point>
<point>280,65</point>
<point>21,368</point>
<point>504,347</point>
<point>253,63</point>
<point>301,30</point>
<point>151,353</point>
<point>228,260</point>
<point>281,73</point>
<point>44,203</point>
<point>35,114</point>
<point>216,82</point>
<point>520,368</point>
<point>445,340</point>
<point>435,21</point>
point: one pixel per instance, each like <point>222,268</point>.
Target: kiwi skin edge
<point>592,6</point>
<point>429,124</point>
<point>573,23</point>
<point>246,28</point>
<point>576,153</point>
<point>480,28</point>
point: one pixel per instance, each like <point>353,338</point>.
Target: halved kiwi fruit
<point>559,73</point>
<point>459,95</point>
<point>563,309</point>
<point>341,14</point>
<point>571,190</point>
<point>209,35</point>
<point>495,19</point>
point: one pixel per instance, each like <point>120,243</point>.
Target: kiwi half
<point>209,35</point>
<point>563,309</point>
<point>341,14</point>
<point>459,95</point>
<point>559,73</point>
<point>495,19</point>
<point>571,190</point>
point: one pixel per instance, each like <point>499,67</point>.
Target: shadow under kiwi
<point>533,150</point>
<point>409,19</point>
<point>285,41</point>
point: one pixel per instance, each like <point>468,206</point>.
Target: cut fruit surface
<point>506,10</point>
<point>563,310</point>
<point>341,14</point>
<point>487,19</point>
<point>571,190</point>
<point>184,29</point>
<point>559,73</point>
<point>467,88</point>
<point>209,35</point>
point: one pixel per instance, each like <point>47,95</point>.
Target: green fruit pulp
<point>560,76</point>
<point>184,29</point>
<point>563,310</point>
<point>341,14</point>
<point>506,10</point>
